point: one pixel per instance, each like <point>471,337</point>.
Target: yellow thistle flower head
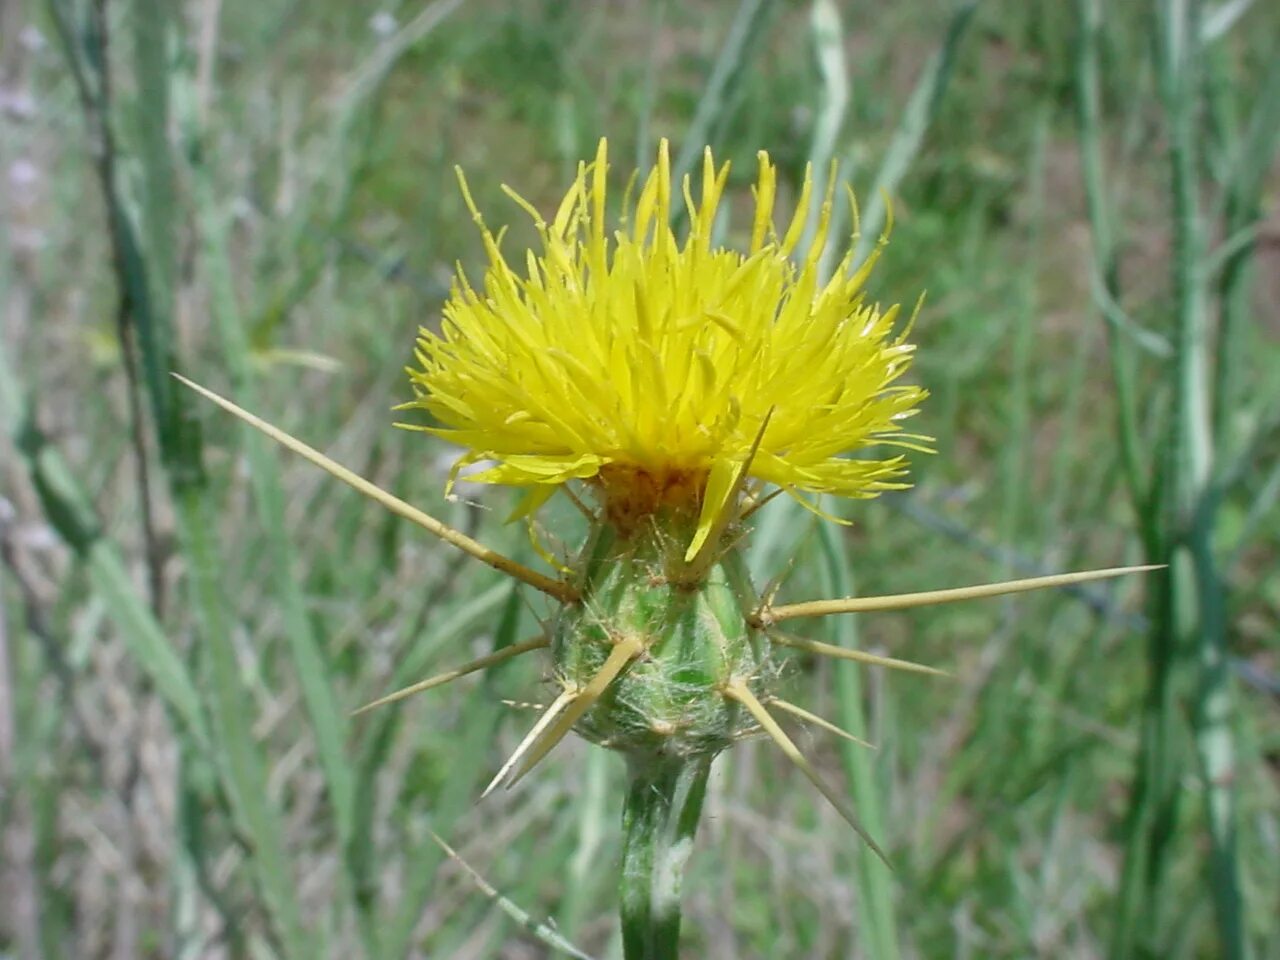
<point>667,375</point>
<point>658,369</point>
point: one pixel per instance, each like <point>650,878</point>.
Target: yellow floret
<point>635,355</point>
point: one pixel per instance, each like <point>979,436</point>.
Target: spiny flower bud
<point>692,637</point>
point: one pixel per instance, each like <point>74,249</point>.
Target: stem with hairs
<point>659,820</point>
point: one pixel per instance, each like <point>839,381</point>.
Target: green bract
<point>668,700</point>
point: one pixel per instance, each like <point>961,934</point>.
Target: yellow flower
<point>650,367</point>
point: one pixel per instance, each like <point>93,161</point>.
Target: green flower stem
<point>659,821</point>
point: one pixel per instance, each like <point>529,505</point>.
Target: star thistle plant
<point>670,387</point>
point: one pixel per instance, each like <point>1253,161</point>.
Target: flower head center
<point>631,494</point>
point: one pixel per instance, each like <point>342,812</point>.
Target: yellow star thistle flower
<point>651,367</point>
<point>664,376</point>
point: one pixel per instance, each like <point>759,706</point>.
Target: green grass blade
<point>237,753</point>
<point>477,726</point>
<point>1198,609</point>
<point>827,30</point>
<point>70,512</point>
<point>327,717</point>
<point>325,208</point>
<point>377,741</point>
<point>544,931</point>
<point>594,815</point>
<point>153,30</point>
<point>918,114</point>
<point>740,44</point>
<point>1254,154</point>
<point>876,882</point>
<point>239,756</point>
<point>234,748</point>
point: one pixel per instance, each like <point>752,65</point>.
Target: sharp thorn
<point>493,659</point>
<point>847,653</point>
<point>557,705</point>
<point>818,721</point>
<point>623,652</point>
<point>558,589</point>
<point>739,691</point>
<point>905,601</point>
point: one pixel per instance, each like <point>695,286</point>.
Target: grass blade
<point>70,512</point>
<point>475,739</point>
<point>745,30</point>
<point>1198,618</point>
<point>236,751</point>
<point>907,139</point>
<point>327,718</point>
<point>239,756</point>
<point>540,929</point>
<point>875,880</point>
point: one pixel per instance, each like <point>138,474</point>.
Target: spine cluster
<point>690,641</point>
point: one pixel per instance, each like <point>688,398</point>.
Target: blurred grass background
<point>262,196</point>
